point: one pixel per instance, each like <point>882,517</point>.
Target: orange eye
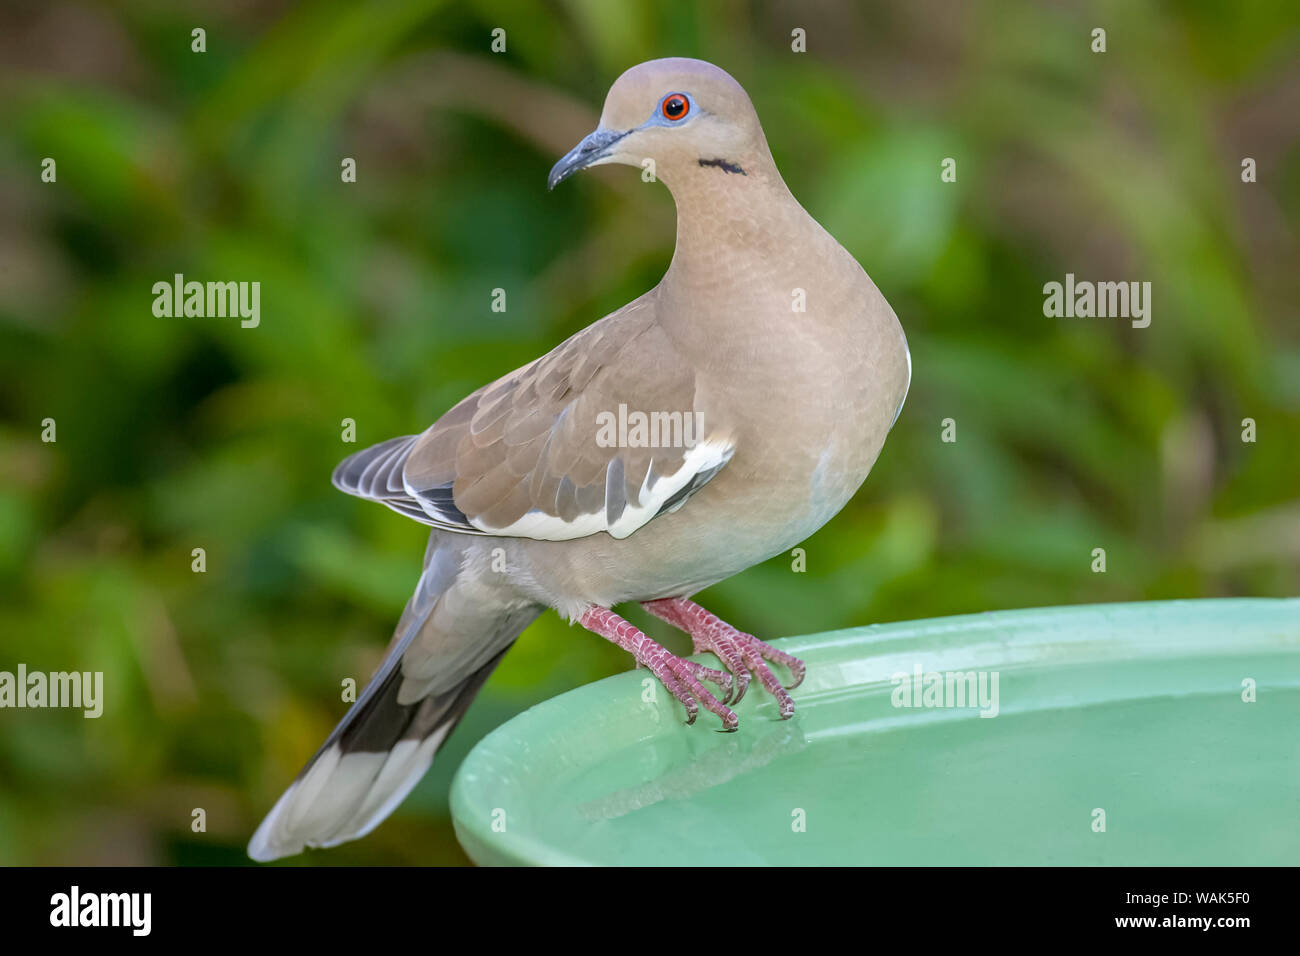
<point>675,106</point>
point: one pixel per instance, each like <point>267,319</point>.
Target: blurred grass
<point>183,433</point>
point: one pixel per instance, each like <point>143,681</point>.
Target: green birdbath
<point>1163,733</point>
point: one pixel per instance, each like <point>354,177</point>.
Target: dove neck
<point>734,226</point>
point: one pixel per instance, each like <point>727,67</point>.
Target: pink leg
<point>680,677</point>
<point>740,652</point>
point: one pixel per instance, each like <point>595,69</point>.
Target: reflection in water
<point>736,755</point>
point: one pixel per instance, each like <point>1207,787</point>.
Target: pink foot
<point>681,678</point>
<point>742,653</point>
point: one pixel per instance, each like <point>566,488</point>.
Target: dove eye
<point>675,106</point>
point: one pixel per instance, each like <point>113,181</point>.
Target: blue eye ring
<point>675,107</point>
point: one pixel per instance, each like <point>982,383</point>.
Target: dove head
<point>687,117</point>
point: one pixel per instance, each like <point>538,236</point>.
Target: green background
<point>1072,434</point>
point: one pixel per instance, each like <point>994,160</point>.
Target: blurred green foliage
<point>180,433</point>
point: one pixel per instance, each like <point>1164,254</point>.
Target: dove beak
<point>594,149</point>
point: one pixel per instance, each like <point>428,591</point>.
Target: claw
<point>731,655</point>
<point>675,687</point>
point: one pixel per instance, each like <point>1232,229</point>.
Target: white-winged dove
<point>708,425</point>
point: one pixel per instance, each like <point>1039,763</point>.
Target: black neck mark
<point>724,165</point>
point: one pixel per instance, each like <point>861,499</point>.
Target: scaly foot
<point>741,653</point>
<point>681,678</point>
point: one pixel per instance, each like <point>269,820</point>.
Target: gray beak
<point>595,147</point>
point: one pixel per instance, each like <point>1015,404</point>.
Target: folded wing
<point>604,433</point>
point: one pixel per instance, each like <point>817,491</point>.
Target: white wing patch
<point>703,459</point>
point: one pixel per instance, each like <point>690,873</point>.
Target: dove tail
<point>387,740</point>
